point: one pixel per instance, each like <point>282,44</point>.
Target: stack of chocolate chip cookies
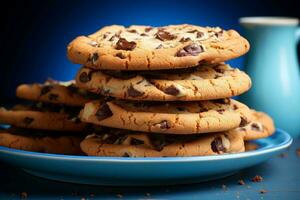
<point>169,91</point>
<point>141,92</point>
<point>49,121</point>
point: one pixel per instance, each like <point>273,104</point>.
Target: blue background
<point>35,34</point>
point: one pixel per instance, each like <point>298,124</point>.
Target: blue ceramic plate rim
<point>287,141</point>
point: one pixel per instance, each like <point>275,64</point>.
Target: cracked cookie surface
<point>26,139</point>
<point>121,143</point>
<point>170,118</point>
<point>55,92</point>
<point>43,116</point>
<point>150,48</point>
<point>192,84</point>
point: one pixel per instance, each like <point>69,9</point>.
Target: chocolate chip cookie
<point>122,143</point>
<point>55,92</point>
<point>200,83</point>
<point>151,48</point>
<point>40,141</point>
<point>44,117</point>
<point>170,118</point>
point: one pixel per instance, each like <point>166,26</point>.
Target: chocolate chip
<point>132,92</point>
<point>158,141</point>
<point>190,50</point>
<point>125,155</point>
<point>123,44</point>
<point>235,107</point>
<point>221,101</point>
<point>159,46</point>
<point>103,112</point>
<point>244,122</point>
<point>192,31</point>
<point>218,69</point>
<point>219,34</point>
<point>181,109</point>
<point>28,120</point>
<point>120,55</point>
<point>132,31</point>
<point>93,58</point>
<point>72,89</point>
<point>112,38</point>
<point>105,35</point>
<point>200,34</point>
<point>46,89</point>
<point>144,34</point>
<point>85,77</point>
<point>185,39</point>
<point>135,141</point>
<point>164,35</point>
<point>255,127</point>
<point>172,90</point>
<point>53,97</point>
<point>217,145</point>
<point>164,124</point>
<point>221,111</point>
<point>148,29</point>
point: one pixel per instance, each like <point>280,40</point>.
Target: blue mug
<point>273,67</point>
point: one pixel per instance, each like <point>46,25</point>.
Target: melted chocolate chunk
<point>148,29</point>
<point>190,50</point>
<point>164,35</point>
<point>123,44</point>
<point>144,34</point>
<point>132,31</point>
<point>45,89</point>
<point>185,39</point>
<point>172,90</point>
<point>217,145</point>
<point>255,127</point>
<point>126,155</point>
<point>93,58</point>
<point>200,34</point>
<point>164,124</point>
<point>85,77</point>
<point>53,97</point>
<point>103,112</point>
<point>235,107</point>
<point>132,92</point>
<point>221,101</point>
<point>28,120</point>
<point>219,34</point>
<point>135,141</point>
<point>181,109</point>
<point>72,88</point>
<point>192,31</point>
<point>158,141</point>
<point>120,55</point>
<point>244,122</point>
<point>221,111</point>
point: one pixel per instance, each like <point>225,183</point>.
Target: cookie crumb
<point>24,195</point>
<point>257,178</point>
<point>119,196</point>
<point>263,191</point>
<point>298,152</point>
<point>241,182</point>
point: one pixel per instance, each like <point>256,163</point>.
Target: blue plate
<point>142,171</point>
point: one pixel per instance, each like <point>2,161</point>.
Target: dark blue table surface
<point>281,179</point>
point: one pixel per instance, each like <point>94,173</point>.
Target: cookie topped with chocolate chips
<point>204,82</point>
<point>151,48</point>
<point>168,118</point>
<point>122,143</point>
<point>55,92</point>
